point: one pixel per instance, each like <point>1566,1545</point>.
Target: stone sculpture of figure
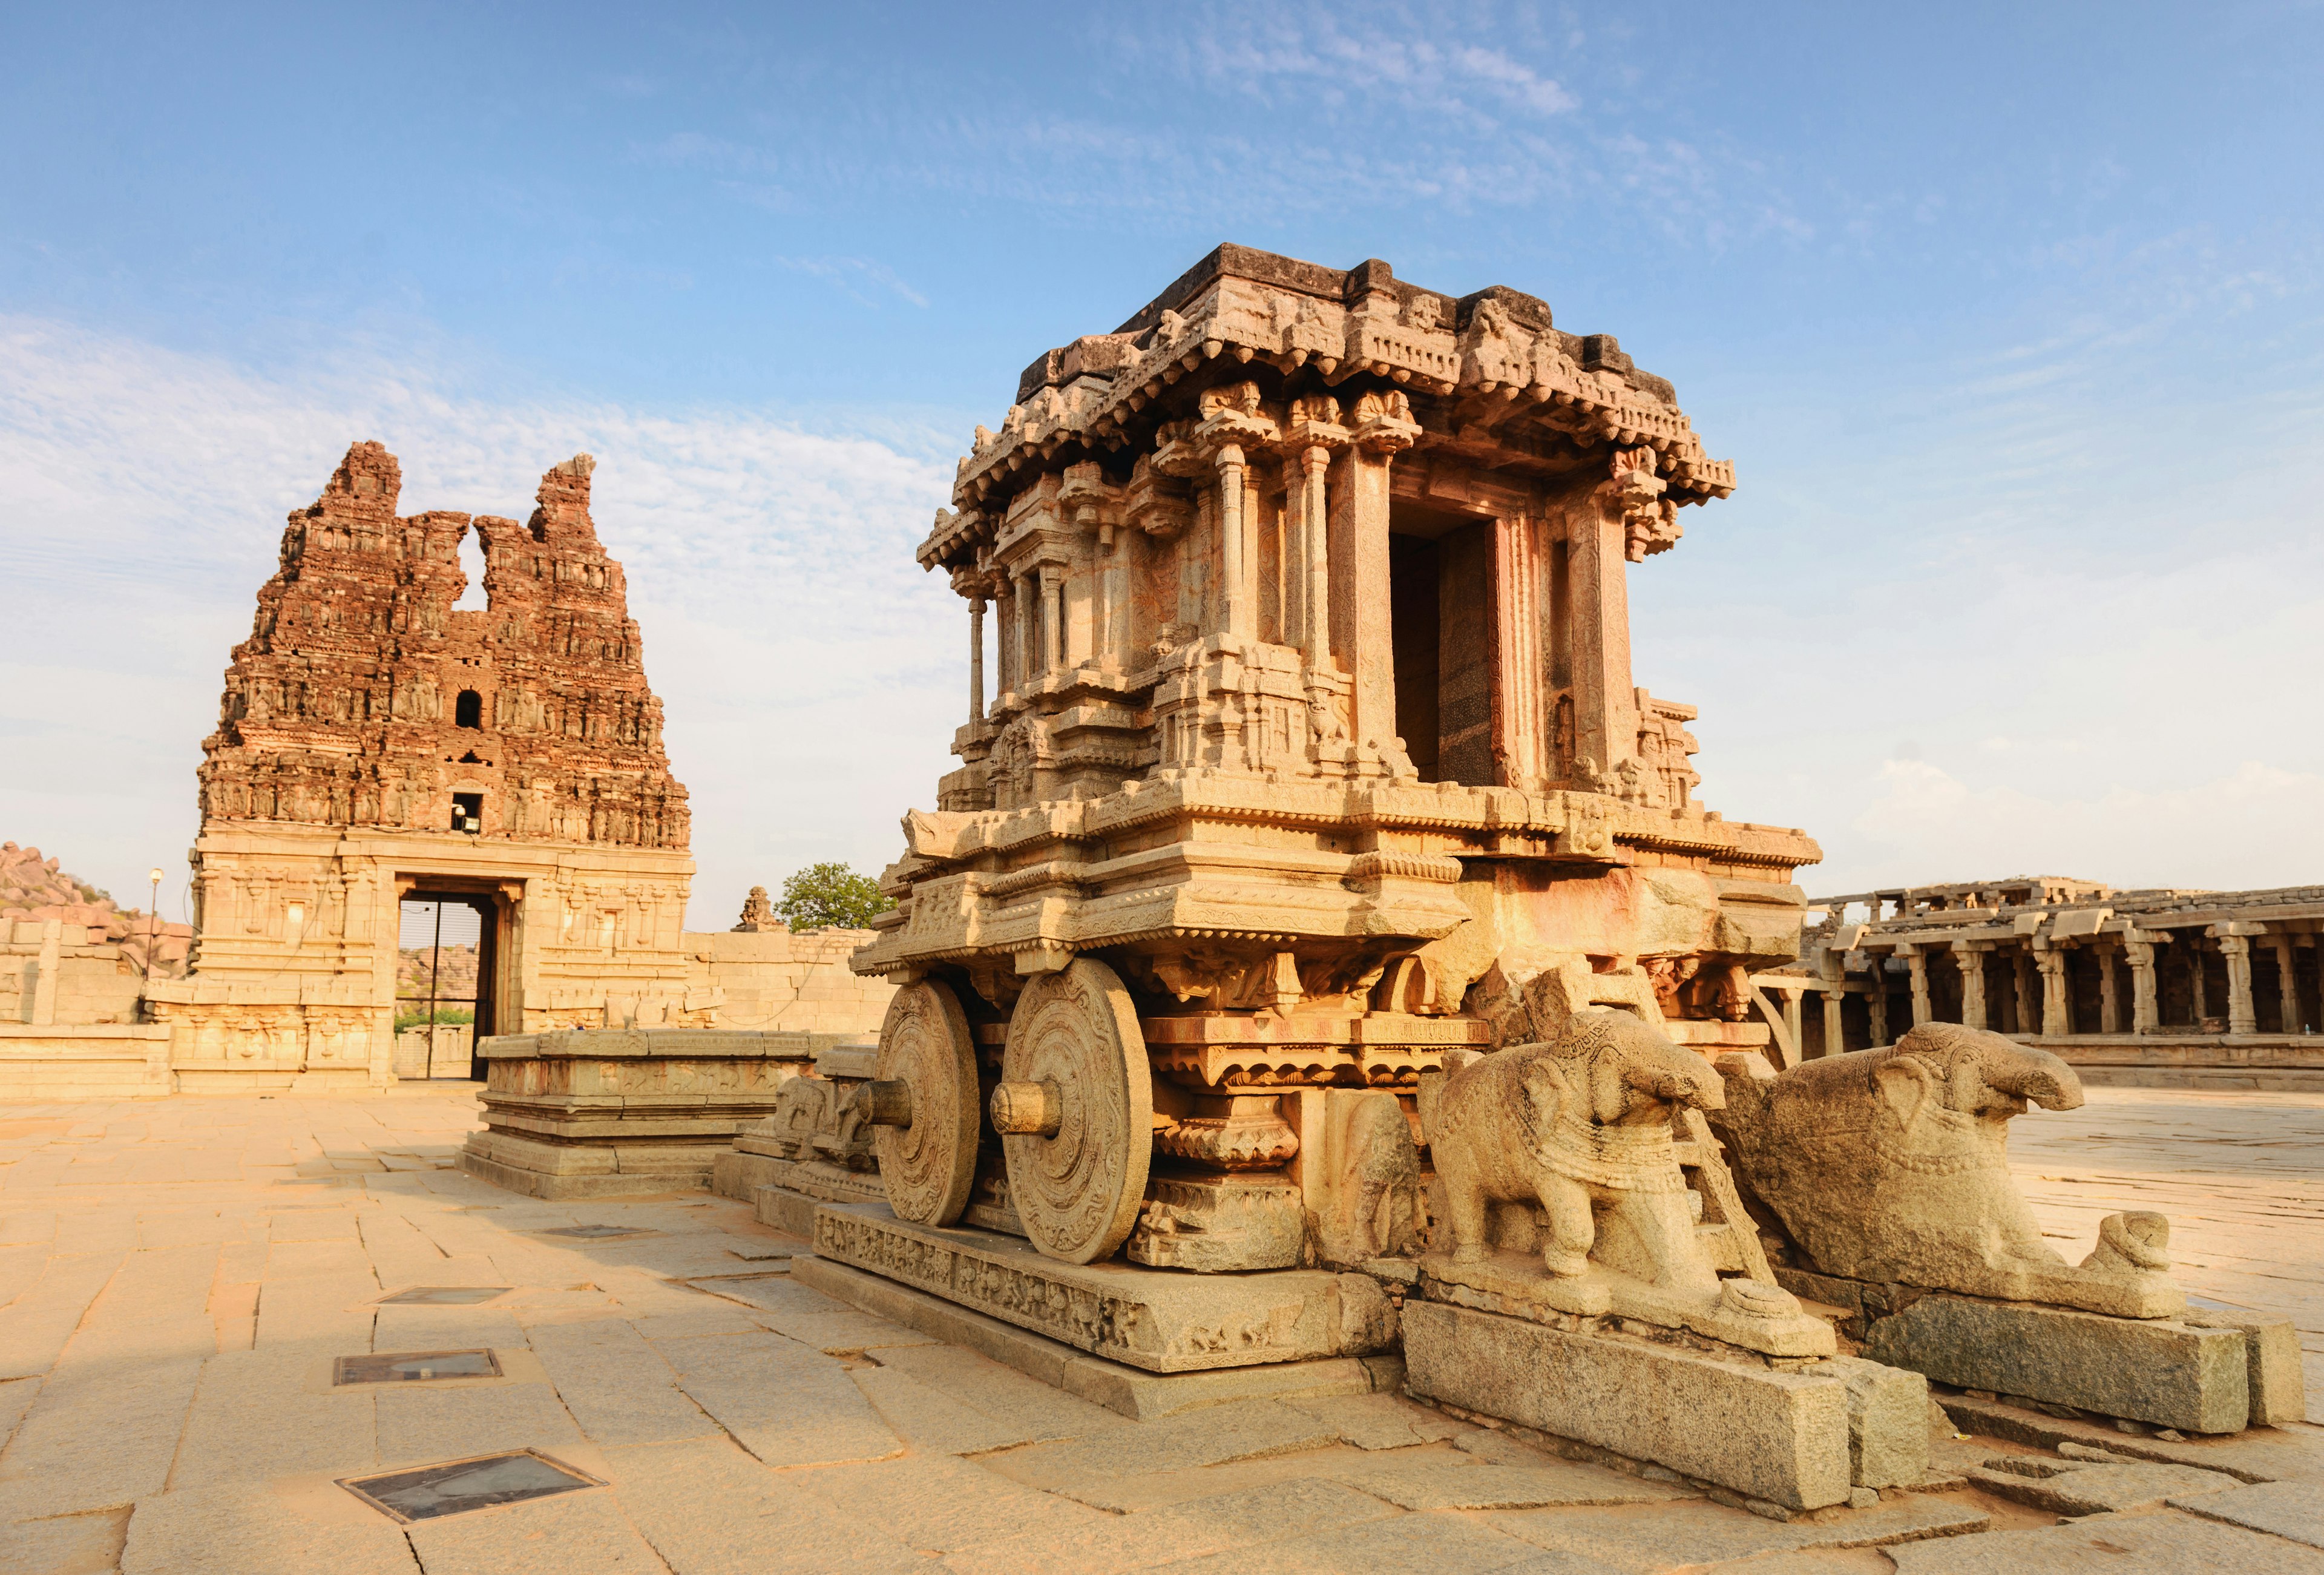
<point>1581,1126</point>
<point>1568,1123</point>
<point>758,912</point>
<point>1892,1165</point>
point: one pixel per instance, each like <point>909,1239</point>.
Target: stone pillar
<point>44,978</point>
<point>2110,992</point>
<point>1971,956</point>
<point>1879,1000</point>
<point>976,659</point>
<point>2235,942</point>
<point>1605,704</point>
<point>2057,1005</point>
<point>1315,549</point>
<point>1835,997</point>
<point>1362,630</point>
<point>2287,982</point>
<point>1917,959</point>
<point>1053,621</point>
<point>2144,1015</point>
<point>1028,630</point>
<point>2199,988</point>
<point>1234,546</point>
<point>2023,963</point>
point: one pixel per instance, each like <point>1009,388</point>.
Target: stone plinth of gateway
<point>608,1113</point>
<point>374,741</point>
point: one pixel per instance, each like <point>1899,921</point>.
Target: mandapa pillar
<point>1971,956</point>
<point>2146,1014</point>
<point>1917,959</point>
<point>2287,982</point>
<point>2057,1004</point>
<point>1835,997</point>
<point>2235,945</point>
<point>2110,992</point>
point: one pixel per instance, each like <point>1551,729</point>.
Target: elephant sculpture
<point>1892,1165</point>
<point>1568,1123</point>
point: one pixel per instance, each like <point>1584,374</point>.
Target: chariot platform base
<point>1133,1391</point>
<point>1162,1321</point>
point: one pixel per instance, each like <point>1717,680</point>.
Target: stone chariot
<point>1314,755</point>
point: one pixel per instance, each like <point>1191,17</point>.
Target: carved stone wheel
<point>928,1164</point>
<point>1077,1189</point>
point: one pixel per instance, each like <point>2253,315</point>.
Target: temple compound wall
<point>2170,988</point>
<point>376,743</point>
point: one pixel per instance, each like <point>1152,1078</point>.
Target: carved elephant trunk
<point>2035,1076</point>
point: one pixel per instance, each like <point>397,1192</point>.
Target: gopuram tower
<point>375,743</point>
<point>1310,755</point>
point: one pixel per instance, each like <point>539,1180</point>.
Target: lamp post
<point>154,924</point>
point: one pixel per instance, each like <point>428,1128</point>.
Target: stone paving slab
<point>1241,1523</point>
<point>1654,1537</point>
<point>2286,1509</point>
<point>709,1508</point>
<point>1426,1479</point>
<point>2169,1544</point>
<point>2094,1489</point>
<point>173,1301</point>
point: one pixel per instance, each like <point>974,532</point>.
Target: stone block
<point>2086,1487</point>
<point>1125,1390</point>
<point>2279,1389</point>
<point>1778,1436</point>
<point>2162,1371</point>
<point>737,1174</point>
<point>567,1188</point>
<point>1159,1319</point>
<point>786,1210</point>
<point>1887,1422</point>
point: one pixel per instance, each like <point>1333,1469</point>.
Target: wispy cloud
<point>847,272</point>
<point>1315,52</point>
<point>808,667</point>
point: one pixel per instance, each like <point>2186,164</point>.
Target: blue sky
<point>2008,317</point>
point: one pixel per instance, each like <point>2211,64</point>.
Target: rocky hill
<point>34,887</point>
<point>456,972</point>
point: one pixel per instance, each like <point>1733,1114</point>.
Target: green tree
<point>830,894</point>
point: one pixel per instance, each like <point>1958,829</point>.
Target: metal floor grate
<point>415,1366</point>
<point>457,1486</point>
<point>443,1296</point>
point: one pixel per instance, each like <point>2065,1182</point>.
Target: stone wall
<point>771,979</point>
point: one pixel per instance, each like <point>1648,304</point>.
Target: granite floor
<point>178,1279</point>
